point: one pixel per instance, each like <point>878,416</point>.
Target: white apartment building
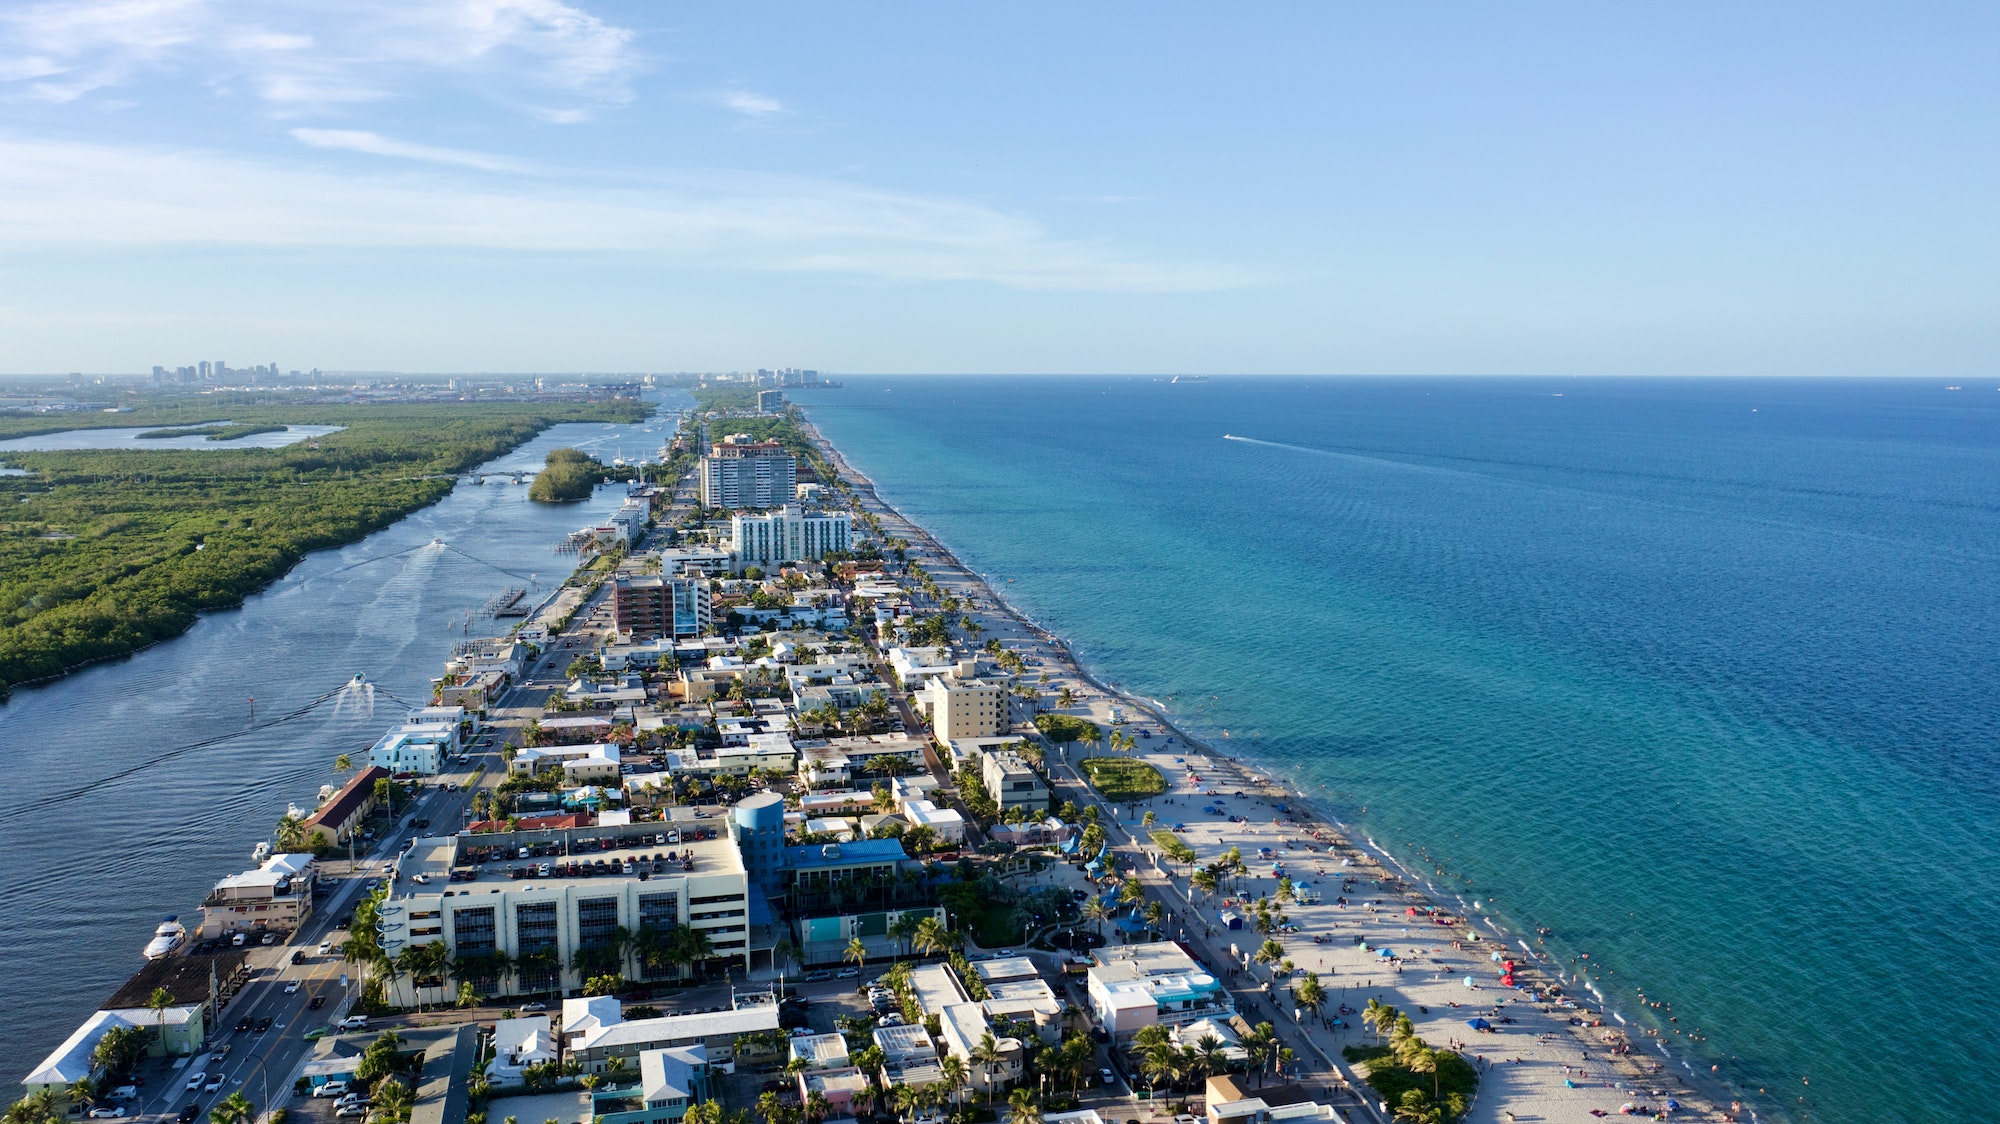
<point>964,708</point>
<point>484,910</point>
<point>789,534</point>
<point>419,748</point>
<point>1010,781</point>
<point>743,473</point>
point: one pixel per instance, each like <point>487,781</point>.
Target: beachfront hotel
<point>742,473</point>
<point>1140,985</point>
<point>789,534</point>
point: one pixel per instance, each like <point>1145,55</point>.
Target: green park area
<point>1123,780</point>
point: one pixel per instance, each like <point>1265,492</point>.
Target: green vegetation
<point>1066,728</point>
<point>103,551</point>
<point>567,475</point>
<point>722,399</point>
<point>1174,847</point>
<point>224,431</point>
<point>1426,1085</point>
<point>1123,780</point>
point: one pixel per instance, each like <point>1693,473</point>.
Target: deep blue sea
<point>1698,674</point>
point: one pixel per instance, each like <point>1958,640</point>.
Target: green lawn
<point>1123,780</point>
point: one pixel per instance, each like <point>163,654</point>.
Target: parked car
<point>111,1112</point>
<point>849,973</point>
<point>353,1022</point>
<point>351,1110</point>
<point>331,1089</point>
<point>535,1006</point>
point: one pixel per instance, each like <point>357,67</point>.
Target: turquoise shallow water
<point>1694,673</point>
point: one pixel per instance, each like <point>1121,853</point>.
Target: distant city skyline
<point>533,185</point>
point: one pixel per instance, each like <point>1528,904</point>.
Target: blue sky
<point>446,185</point>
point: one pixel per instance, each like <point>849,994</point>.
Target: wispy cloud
<point>77,196</point>
<point>293,54</point>
<point>356,140</point>
<point>749,104</point>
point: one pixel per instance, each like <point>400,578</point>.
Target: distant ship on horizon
<point>1190,378</point>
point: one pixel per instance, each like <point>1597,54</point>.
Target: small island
<point>567,475</point>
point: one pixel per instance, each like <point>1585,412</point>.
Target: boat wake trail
<point>1386,462</point>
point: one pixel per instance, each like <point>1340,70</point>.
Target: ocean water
<point>1696,674</point>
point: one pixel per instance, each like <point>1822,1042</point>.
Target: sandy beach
<point>1549,1055</point>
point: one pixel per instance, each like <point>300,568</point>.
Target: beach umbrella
<point>1469,982</point>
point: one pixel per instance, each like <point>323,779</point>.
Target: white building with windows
<point>789,534</point>
<point>533,898</point>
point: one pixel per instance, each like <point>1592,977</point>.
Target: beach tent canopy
<point>1412,911</point>
<point>1479,1024</point>
<point>1231,919</point>
<point>1385,953</point>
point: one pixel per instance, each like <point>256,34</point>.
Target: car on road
<point>242,1024</point>
<point>291,986</point>
<point>114,1112</point>
<point>353,1022</point>
<point>537,1006</point>
<point>318,1001</point>
<point>318,1032</point>
<point>325,947</point>
<point>196,1081</point>
<point>187,1114</point>
<point>850,973</point>
<point>1109,1077</point>
<point>263,1024</point>
<point>816,977</point>
<point>213,1083</point>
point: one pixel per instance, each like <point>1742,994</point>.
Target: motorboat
<point>167,937</point>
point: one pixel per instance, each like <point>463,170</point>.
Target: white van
<point>236,941</point>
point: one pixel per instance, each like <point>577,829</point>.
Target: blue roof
<point>859,852</point>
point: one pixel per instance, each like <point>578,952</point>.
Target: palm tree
<point>1419,1109</point>
<point>159,1001</point>
<point>1371,1016</point>
<point>1310,995</point>
<point>931,938</point>
<point>1154,912</point>
<point>1423,1059</point>
<point>952,1071</point>
<point>343,764</point>
<point>1148,819</point>
<point>234,1109</point>
<point>1257,1044</point>
<point>857,953</point>
<point>468,995</point>
<point>290,833</point>
<point>1161,1063</point>
<point>1269,953</point>
<point>1207,881</point>
<point>987,1055</point>
<point>1097,913</point>
<point>82,1090</point>
<point>816,1106</point>
<point>391,1098</point>
<point>1023,1108</point>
